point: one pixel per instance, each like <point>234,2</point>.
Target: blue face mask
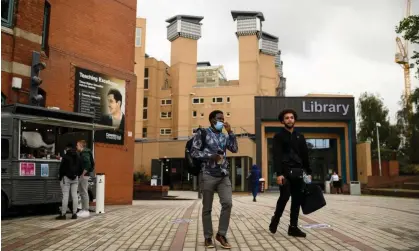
<point>219,125</point>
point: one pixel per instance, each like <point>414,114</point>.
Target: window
<point>166,102</point>
<point>166,84</point>
<point>194,113</point>
<point>144,132</point>
<point>165,115</point>
<point>47,142</point>
<point>3,99</point>
<point>145,106</point>
<point>217,100</point>
<point>4,149</point>
<point>198,100</point>
<point>45,26</point>
<point>165,131</point>
<point>138,37</point>
<point>228,114</point>
<point>146,79</point>
<point>228,99</point>
<point>7,13</point>
<point>202,114</point>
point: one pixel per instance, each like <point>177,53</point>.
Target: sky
<point>328,46</point>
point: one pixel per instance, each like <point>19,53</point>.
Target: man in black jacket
<point>290,159</point>
<point>69,170</point>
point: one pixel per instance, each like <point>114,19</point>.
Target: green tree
<point>371,110</point>
<point>409,28</point>
<point>408,124</point>
<point>393,141</point>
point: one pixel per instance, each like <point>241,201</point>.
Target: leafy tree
<point>393,141</point>
<point>409,28</point>
<point>408,124</point>
<point>371,110</point>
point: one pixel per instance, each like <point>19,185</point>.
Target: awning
<point>65,123</point>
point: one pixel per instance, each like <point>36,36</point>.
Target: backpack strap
<point>203,137</point>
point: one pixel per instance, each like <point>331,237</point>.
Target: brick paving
<point>356,223</point>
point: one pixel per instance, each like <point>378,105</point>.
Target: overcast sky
<point>328,46</point>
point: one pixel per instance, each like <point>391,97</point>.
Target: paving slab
<point>351,223</point>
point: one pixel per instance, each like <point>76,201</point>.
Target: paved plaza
<point>349,223</point>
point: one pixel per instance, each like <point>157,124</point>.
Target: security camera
<point>37,80</point>
<point>38,97</point>
<point>40,66</point>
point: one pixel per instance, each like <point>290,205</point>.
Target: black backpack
<point>92,163</point>
<point>193,164</point>
<point>73,164</point>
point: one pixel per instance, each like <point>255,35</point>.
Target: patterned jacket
<point>214,143</point>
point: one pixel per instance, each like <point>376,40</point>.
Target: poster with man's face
<point>104,97</point>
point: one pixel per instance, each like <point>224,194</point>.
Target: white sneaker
<point>83,214</point>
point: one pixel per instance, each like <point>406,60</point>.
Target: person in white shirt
<point>336,182</point>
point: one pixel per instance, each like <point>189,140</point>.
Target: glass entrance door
<point>323,159</point>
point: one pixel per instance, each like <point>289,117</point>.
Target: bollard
<point>327,187</point>
<point>100,193</point>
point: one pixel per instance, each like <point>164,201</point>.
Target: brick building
<point>95,35</point>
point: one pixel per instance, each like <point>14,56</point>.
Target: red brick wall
<point>30,16</point>
<point>97,35</point>
<point>376,168</point>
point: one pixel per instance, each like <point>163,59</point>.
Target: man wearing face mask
<point>215,174</point>
<point>290,160</point>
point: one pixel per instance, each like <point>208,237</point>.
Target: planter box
<point>147,192</point>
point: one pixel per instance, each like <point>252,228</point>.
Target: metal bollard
<point>100,193</point>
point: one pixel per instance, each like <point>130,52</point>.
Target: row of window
<point>195,114</point>
<point>215,100</point>
<point>163,131</point>
<point>168,115</point>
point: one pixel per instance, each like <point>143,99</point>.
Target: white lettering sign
<point>314,106</point>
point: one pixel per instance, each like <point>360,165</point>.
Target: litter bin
<point>153,181</point>
<point>262,185</point>
<point>327,187</point>
<point>355,188</point>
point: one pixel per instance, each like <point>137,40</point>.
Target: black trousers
<point>293,188</point>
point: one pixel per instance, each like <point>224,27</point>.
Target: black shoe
<point>296,232</point>
<point>74,217</point>
<point>209,243</point>
<point>61,217</point>
<point>254,199</point>
<point>274,224</point>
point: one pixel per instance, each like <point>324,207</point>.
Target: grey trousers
<point>221,185</point>
<point>68,186</point>
<point>83,186</point>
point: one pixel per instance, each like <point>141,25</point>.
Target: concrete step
<point>392,192</point>
<point>411,185</point>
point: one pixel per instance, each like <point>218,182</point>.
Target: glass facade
<point>323,159</point>
<point>176,176</point>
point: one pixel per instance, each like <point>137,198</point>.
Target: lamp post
<point>377,125</point>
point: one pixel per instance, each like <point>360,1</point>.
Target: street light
<point>377,125</point>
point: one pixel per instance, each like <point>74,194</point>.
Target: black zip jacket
<point>70,165</point>
<point>282,143</point>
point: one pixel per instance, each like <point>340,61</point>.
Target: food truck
<point>32,143</point>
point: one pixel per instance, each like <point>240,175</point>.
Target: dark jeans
<point>255,189</point>
<point>294,189</point>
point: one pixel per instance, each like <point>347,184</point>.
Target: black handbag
<point>313,199</point>
<point>294,164</point>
